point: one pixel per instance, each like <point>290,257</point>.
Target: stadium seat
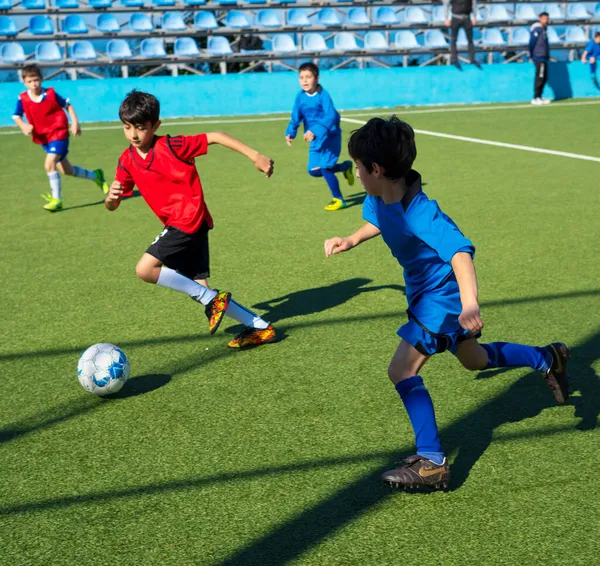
<point>8,26</point>
<point>577,11</point>
<point>519,36</point>
<point>297,18</point>
<point>225,2</point>
<point>163,2</point>
<point>553,37</point>
<point>74,23</point>
<point>186,47</point>
<point>597,11</point>
<point>140,22</point>
<point>345,41</point>
<point>405,39</point>
<point>284,43</point>
<point>107,23</point>
<point>576,34</point>
<point>283,1</point>
<point>385,15</point>
<point>118,49</point>
<point>438,15</point>
<point>554,11</point>
<point>82,51</point>
<point>67,4</point>
<point>435,39</point>
<point>218,45</point>
<point>205,20</point>
<point>172,21</point>
<point>132,3</point>
<point>236,19</point>
<point>461,39</point>
<point>34,4</point>
<point>314,42</point>
<point>525,12</point>
<point>375,40</point>
<point>256,1</point>
<point>12,53</point>
<point>358,17</point>
<point>100,3</point>
<point>492,37</point>
<point>47,52</point>
<point>194,2</point>
<point>5,4</point>
<point>268,19</point>
<point>413,15</point>
<point>41,25</point>
<point>497,14</point>
<point>152,48</point>
<point>329,17</point>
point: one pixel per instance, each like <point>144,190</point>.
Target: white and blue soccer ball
<point>103,369</point>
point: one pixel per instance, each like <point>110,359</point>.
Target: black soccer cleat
<point>417,471</point>
<point>556,377</point>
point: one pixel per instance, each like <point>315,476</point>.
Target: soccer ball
<point>103,369</point>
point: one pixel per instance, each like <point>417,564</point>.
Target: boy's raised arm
<point>75,129</point>
<point>261,162</point>
<point>337,245</point>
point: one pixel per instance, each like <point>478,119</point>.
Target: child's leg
<point>330,179</point>
<point>593,65</point>
<point>50,164</point>
<point>96,176</point>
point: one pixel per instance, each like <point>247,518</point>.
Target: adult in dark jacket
<point>539,51</point>
<point>464,14</point>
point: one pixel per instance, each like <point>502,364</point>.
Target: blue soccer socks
<point>505,354</point>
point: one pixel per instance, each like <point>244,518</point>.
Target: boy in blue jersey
<point>441,290</point>
<point>314,107</point>
<point>592,54</point>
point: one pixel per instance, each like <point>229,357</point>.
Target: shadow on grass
<point>140,385</point>
<point>355,199</point>
<point>86,205</point>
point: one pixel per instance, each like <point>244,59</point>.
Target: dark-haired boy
<point>313,107</point>
<point>591,54</point>
<point>441,290</point>
<point>48,126</point>
<point>163,169</point>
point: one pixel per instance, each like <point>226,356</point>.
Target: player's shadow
<point>140,385</point>
<point>355,199</point>
<point>87,204</point>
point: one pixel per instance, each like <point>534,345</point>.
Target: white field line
<point>494,143</point>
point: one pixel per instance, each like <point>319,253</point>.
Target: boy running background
<point>48,126</point>
<point>591,54</point>
<point>163,169</point>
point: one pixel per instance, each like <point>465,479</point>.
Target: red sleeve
<point>125,178</point>
<point>188,147</point>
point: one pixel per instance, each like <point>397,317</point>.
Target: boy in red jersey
<point>163,169</point>
<point>48,126</point>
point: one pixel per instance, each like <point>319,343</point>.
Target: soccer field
<point>272,456</point>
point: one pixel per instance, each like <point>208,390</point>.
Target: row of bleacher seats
<point>107,23</point>
<point>404,40</point>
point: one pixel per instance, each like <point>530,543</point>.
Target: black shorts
<point>185,253</point>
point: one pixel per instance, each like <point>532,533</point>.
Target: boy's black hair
<point>139,107</point>
<point>314,69</point>
<point>389,143</point>
<point>544,14</point>
<point>29,70</point>
<point>597,34</point>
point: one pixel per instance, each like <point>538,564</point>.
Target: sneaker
<point>53,204</point>
<point>336,204</point>
<point>101,181</point>
<point>417,471</point>
<point>556,377</point>
<point>545,100</point>
<point>349,176</point>
<point>537,102</point>
<point>253,337</point>
<point>215,310</point>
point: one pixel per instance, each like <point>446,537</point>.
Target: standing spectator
<point>539,51</point>
<point>464,14</point>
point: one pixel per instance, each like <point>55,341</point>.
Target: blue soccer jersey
<point>593,49</point>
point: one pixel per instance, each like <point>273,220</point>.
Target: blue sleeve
<point>369,211</point>
<point>438,231</point>
<point>62,102</point>
<point>19,109</point>
<point>296,118</point>
<point>327,121</point>
<point>590,46</point>
<point>532,41</point>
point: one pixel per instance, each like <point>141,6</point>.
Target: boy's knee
<point>315,172</point>
<point>50,166</point>
<point>145,273</point>
<point>400,371</point>
<point>473,365</point>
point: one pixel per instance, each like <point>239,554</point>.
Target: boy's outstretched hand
<point>27,129</point>
<point>264,164</point>
<point>337,245</point>
<point>115,192</point>
<point>470,318</point>
<point>289,139</point>
<point>75,129</point>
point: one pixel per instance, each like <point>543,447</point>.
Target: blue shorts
<point>428,343</point>
<point>327,155</point>
<point>58,147</point>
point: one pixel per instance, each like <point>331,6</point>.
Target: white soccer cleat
<point>537,101</point>
<point>545,100</point>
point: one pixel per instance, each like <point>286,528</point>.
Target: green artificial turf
<point>272,456</point>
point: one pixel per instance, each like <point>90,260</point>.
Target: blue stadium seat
<point>218,45</point>
<point>47,52</point>
<point>385,15</point>
<point>375,40</point>
<point>5,4</point>
<point>140,22</point>
<point>34,4</point>
<point>74,23</point>
<point>194,2</point>
<point>205,20</point>
<point>329,17</point>
<point>297,18</point>
<point>186,47</point>
<point>345,41</point>
<point>525,12</point>
<point>41,25</point>
<point>118,49</point>
<point>8,26</point>
<point>413,15</point>
<point>497,14</point>
<point>438,15</point>
<point>132,3</point>
<point>553,38</point>
<point>492,37</point>
<point>100,3</point>
<point>163,2</point>
<point>461,39</point>
<point>283,43</point>
<point>519,36</point>
<point>575,34</point>
<point>67,4</point>
<point>152,48</point>
<point>577,11</point>
<point>172,21</point>
<point>11,53</point>
<point>435,39</point>
<point>405,39</point>
<point>268,19</point>
<point>257,1</point>
<point>236,19</point>
<point>82,51</point>
<point>554,11</point>
<point>314,42</point>
<point>225,2</point>
<point>597,11</point>
<point>283,1</point>
<point>358,17</point>
<point>107,23</point>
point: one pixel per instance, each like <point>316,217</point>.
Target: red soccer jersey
<point>168,180</point>
<point>47,117</point>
